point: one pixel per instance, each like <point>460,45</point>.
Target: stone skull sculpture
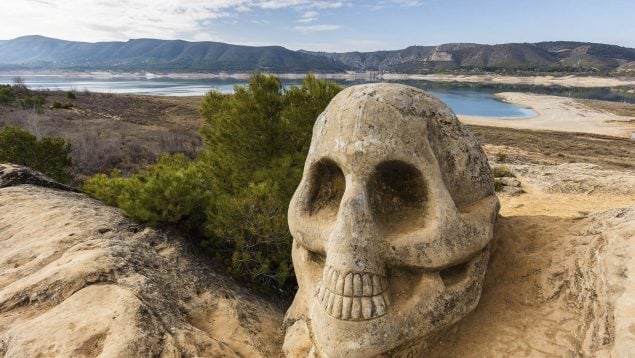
<point>391,223</point>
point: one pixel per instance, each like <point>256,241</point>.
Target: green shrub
<point>256,143</point>
<point>173,191</point>
<point>104,188</point>
<point>7,95</point>
<point>70,95</point>
<point>49,155</point>
<point>502,171</point>
<point>58,105</point>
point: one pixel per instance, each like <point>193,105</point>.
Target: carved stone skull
<point>391,223</point>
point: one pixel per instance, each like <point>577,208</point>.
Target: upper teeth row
<point>353,284</point>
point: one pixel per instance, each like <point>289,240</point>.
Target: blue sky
<point>324,25</point>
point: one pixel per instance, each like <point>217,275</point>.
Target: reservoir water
<point>464,101</point>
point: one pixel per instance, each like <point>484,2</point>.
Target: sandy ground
<point>558,114</point>
<point>559,282</point>
<point>565,81</point>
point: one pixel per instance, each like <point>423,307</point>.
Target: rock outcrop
<point>77,279</point>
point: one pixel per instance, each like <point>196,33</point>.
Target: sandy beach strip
<point>558,114</point>
<point>564,81</point>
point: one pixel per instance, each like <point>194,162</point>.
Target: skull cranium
<point>391,222</point>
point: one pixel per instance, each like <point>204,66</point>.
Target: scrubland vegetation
<point>49,155</point>
<point>107,131</point>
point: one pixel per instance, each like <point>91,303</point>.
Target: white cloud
<point>308,16</point>
<point>307,20</point>
<point>107,20</point>
<point>316,28</point>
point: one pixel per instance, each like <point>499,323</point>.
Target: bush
<point>502,171</point>
<point>7,95</point>
<point>104,188</point>
<point>70,95</point>
<point>58,105</point>
<point>172,191</point>
<point>49,155</point>
<point>256,143</point>
<point>236,193</point>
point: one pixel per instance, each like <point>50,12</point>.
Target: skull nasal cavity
<point>326,188</point>
<point>397,195</point>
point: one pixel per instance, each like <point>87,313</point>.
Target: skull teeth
<point>352,296</point>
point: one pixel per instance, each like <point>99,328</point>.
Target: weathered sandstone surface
<point>77,279</point>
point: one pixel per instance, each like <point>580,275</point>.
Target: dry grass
<point>114,131</point>
<point>502,171</point>
<point>563,147</point>
<point>617,108</point>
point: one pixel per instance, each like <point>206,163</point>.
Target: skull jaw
<point>414,315</point>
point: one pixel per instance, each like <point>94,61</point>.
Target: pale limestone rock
<point>391,224</point>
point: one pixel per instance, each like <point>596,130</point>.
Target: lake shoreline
<point>572,81</point>
<point>560,114</point>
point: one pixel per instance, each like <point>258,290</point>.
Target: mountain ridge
<point>145,54</point>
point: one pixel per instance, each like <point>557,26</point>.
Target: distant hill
<point>557,56</point>
<point>38,52</point>
<point>156,55</point>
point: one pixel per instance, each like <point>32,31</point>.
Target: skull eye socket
<point>326,188</point>
<point>397,195</point>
